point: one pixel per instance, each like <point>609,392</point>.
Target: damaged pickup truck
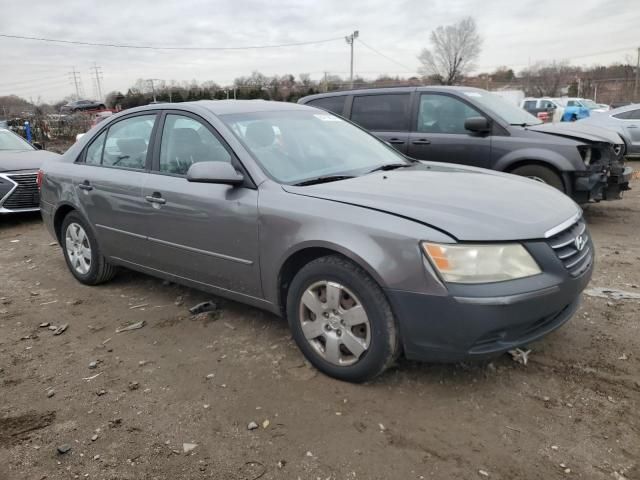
<point>474,127</point>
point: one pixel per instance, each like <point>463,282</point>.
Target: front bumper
<point>482,321</point>
<point>605,184</point>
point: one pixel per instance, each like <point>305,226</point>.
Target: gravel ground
<point>572,412</point>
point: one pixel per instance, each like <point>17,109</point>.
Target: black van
<point>474,127</point>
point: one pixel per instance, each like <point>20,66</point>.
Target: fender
<point>538,155</point>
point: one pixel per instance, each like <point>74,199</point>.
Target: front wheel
<point>541,174</point>
<point>341,320</point>
<point>82,254</point>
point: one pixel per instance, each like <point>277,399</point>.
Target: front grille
<point>26,194</point>
<point>566,245</point>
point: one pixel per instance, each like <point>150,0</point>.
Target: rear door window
<point>128,141</point>
<point>332,104</point>
<point>529,104</point>
<point>383,113</point>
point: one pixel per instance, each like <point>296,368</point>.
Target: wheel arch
<point>58,218</point>
<point>541,163</point>
<point>298,257</point>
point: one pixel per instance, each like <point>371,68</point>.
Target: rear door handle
<point>421,141</point>
<point>86,185</point>
<point>397,141</point>
<point>155,198</point>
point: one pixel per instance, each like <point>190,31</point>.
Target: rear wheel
<point>341,320</point>
<point>81,252</point>
<point>541,174</point>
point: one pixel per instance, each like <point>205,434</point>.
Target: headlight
<point>481,263</point>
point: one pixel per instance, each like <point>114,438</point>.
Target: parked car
<point>590,105</point>
<point>626,122</point>
<point>82,106</point>
<point>542,108</point>
<point>19,164</point>
<point>289,208</point>
<point>475,127</point>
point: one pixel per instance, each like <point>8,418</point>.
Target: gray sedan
<point>625,121</point>
<point>368,254</point>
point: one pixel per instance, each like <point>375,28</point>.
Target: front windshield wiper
<point>323,179</point>
<point>390,166</point>
<point>524,124</point>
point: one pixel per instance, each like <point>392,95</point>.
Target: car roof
<point>625,108</point>
<point>399,89</point>
<point>224,107</point>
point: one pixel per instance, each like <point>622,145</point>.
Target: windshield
<point>10,141</point>
<point>590,104</point>
<point>294,146</point>
<point>507,111</point>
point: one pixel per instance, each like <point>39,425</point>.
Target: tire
<point>378,338</point>
<point>541,174</point>
<point>91,269</point>
<point>101,107</point>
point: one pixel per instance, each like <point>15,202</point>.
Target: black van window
<point>387,112</point>
<point>332,104</point>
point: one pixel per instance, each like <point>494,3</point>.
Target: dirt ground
<point>572,412</point>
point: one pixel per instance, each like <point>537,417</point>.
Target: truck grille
<point>574,248</point>
<point>26,193</point>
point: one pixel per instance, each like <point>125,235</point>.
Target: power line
<point>385,56</point>
<point>150,47</point>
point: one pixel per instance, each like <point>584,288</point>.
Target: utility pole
<point>350,40</point>
<point>75,77</point>
<point>326,81</point>
<point>153,88</point>
<point>635,87</point>
<point>97,75</point>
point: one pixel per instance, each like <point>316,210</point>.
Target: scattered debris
<point>52,327</point>
<point>281,463</point>
<point>133,326</point>
<point>623,357</point>
<point>96,457</point>
<point>208,306</point>
<point>210,376</point>
<point>92,377</point>
<point>142,305</point>
<point>265,424</point>
<point>520,356</point>
<point>133,386</point>
<point>309,454</point>
<point>44,324</point>
<point>382,427</point>
<point>61,329</point>
<point>179,301</point>
<point>612,293</point>
<point>229,326</point>
<point>93,364</point>
<point>49,303</point>
<point>483,473</point>
<point>101,392</point>
<point>94,437</point>
<point>51,393</point>
<point>252,426</point>
<point>189,447</point>
<point>62,449</point>
<point>554,447</point>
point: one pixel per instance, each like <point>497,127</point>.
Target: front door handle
<point>397,141</point>
<point>86,186</point>
<point>155,198</point>
<point>421,141</point>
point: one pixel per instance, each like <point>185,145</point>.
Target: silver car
<point>625,121</point>
<point>367,253</point>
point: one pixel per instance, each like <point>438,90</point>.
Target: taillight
<point>39,179</point>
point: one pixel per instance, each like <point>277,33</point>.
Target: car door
<point>630,121</point>
<point>108,182</point>
<point>203,232</point>
<point>386,115</point>
<point>439,134</point>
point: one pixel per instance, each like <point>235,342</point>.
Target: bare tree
<point>454,49</point>
<point>549,78</point>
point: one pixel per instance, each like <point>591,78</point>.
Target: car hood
<point>468,204</point>
<point>12,160</point>
<point>578,131</point>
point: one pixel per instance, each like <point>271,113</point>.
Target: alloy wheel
<point>335,323</point>
<point>78,248</point>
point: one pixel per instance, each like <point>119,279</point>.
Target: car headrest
<point>132,146</point>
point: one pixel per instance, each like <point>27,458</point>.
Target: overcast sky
<point>515,33</point>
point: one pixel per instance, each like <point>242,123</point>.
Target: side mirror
<point>477,124</point>
<point>214,172</point>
